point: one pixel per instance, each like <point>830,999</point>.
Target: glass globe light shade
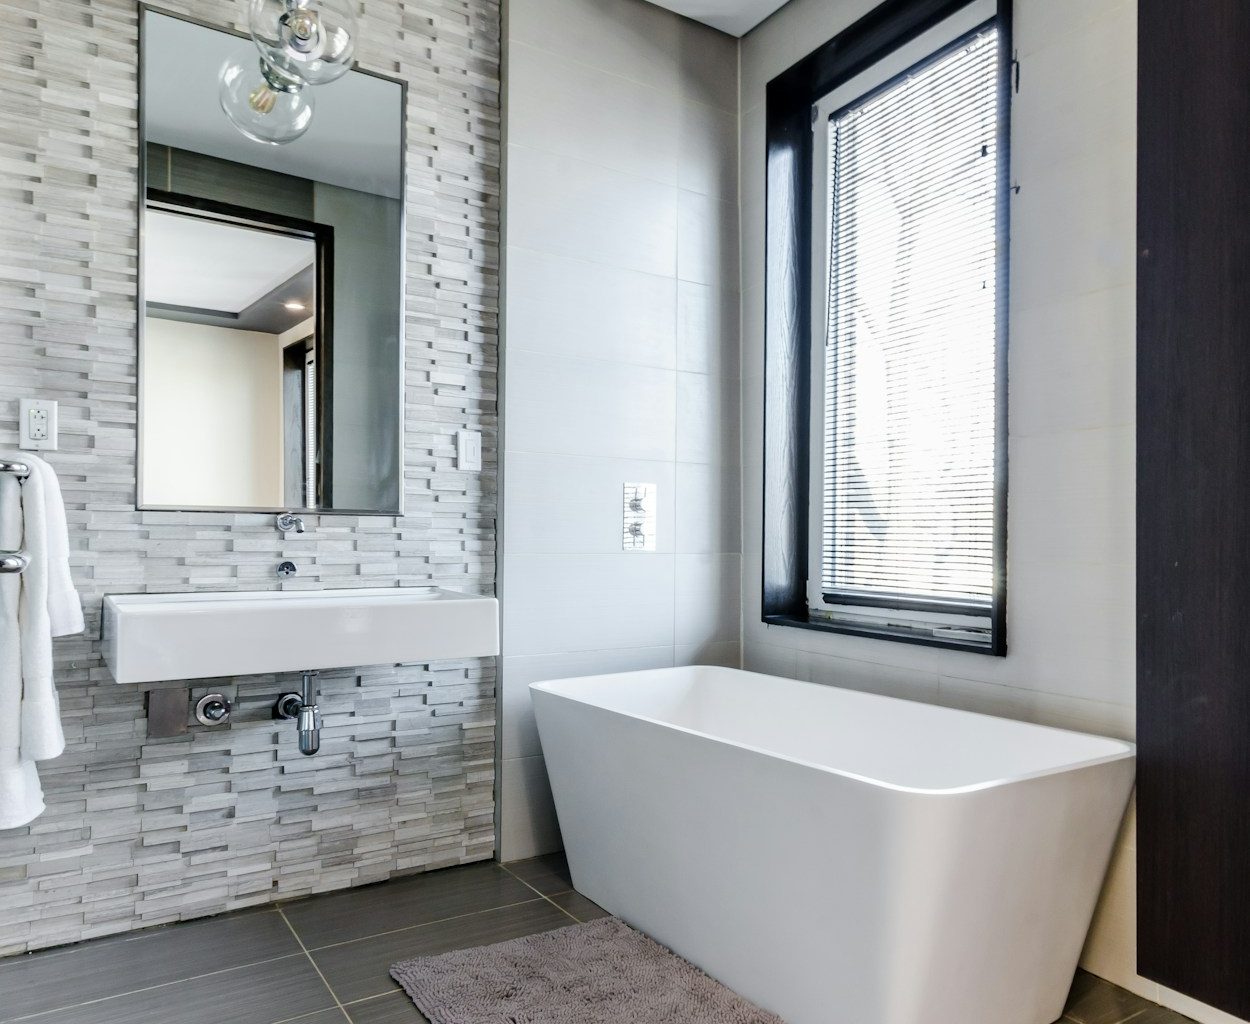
<point>263,102</point>
<point>311,39</point>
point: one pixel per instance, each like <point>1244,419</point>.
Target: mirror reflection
<point>270,354</point>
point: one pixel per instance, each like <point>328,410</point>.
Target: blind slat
<point>911,356</point>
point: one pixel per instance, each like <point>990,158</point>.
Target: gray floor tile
<point>395,1008</point>
<point>577,905</point>
<point>262,977</point>
<point>124,963</point>
<point>1094,1001</point>
<point>281,990</point>
<point>372,909</point>
<point>1160,1015</point>
<point>360,969</point>
<point>548,874</point>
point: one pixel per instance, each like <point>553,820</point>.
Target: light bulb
<point>264,103</point>
<point>311,39</point>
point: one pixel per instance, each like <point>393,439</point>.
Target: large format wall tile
<point>574,208</point>
<point>568,603</point>
<point>520,734</point>
<point>551,94</point>
<point>589,407</point>
<point>621,358</point>
<point>623,316</point>
<point>572,504</point>
<point>141,831</point>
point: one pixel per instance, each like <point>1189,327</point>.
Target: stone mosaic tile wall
<point>141,831</point>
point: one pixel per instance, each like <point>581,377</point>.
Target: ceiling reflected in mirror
<point>270,350</point>
<point>354,143</point>
<point>209,271</point>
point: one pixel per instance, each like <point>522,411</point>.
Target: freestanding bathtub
<point>834,856</point>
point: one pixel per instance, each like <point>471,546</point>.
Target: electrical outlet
<point>468,450</point>
<point>37,426</point>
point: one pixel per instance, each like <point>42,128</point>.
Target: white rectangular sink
<point>154,637</point>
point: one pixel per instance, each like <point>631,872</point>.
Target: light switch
<point>468,450</point>
<point>37,427</point>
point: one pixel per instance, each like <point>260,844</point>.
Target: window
<point>906,470</point>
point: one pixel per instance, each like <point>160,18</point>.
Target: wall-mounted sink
<point>154,637</point>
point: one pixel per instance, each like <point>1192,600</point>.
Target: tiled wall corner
<point>142,831</point>
<point>620,364</point>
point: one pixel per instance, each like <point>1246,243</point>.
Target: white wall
<point>620,359</point>
<point>1071,505</point>
<point>1071,508</point>
<point>211,416</point>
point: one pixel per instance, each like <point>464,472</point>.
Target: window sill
<point>796,622</point>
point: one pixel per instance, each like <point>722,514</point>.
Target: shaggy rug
<point>602,972</point>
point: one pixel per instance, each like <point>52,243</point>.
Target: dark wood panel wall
<point>1193,511</point>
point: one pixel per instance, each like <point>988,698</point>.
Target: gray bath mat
<point>602,972</point>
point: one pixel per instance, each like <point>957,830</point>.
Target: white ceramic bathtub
<point>837,857</point>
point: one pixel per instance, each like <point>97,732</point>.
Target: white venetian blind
<point>909,416</point>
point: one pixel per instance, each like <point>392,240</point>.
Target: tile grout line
<point>304,951</point>
<point>543,894</point>
<point>375,998</point>
<point>333,995</point>
<point>396,931</point>
<point>148,931</point>
<point>423,924</point>
<point>315,1013</point>
<point>1134,1015</point>
<point>279,908</point>
<point>272,908</point>
<point>148,988</point>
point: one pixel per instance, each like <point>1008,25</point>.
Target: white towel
<point>64,604</point>
<point>42,738</point>
<point>21,797</point>
<point>35,606</point>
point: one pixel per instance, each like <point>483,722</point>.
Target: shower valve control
<point>638,525</point>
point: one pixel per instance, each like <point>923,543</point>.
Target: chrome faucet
<point>288,521</point>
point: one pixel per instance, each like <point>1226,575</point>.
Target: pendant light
<point>302,43</point>
<point>263,102</point>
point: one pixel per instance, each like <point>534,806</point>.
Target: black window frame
<point>788,300</point>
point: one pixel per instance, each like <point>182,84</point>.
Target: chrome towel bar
<point>14,561</point>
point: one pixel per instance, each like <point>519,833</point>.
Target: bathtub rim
<point>1128,751</point>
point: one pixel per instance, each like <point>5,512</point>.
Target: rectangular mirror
<point>271,282</point>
